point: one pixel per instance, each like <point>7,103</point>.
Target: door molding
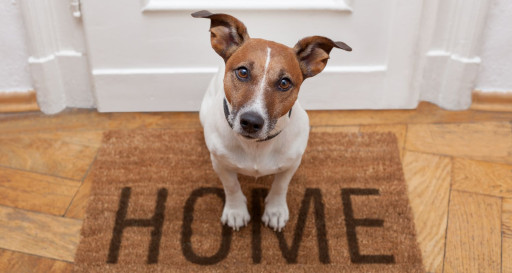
<point>167,5</point>
<point>450,45</point>
<point>57,61</point>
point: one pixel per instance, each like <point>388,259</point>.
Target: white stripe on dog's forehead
<point>259,101</point>
<point>262,83</point>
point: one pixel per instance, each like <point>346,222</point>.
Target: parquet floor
<point>458,166</point>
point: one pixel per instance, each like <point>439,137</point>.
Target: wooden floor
<point>458,166</point>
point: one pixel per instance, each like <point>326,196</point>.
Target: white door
<point>151,55</point>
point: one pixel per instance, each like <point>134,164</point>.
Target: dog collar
<point>226,115</point>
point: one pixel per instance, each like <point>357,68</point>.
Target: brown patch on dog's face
<point>272,83</point>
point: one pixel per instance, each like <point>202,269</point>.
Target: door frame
<point>450,48</point>
<point>58,58</point>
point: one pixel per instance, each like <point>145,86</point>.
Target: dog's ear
<point>313,53</point>
<point>227,32</point>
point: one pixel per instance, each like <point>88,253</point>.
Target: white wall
<point>14,68</point>
<point>496,67</point>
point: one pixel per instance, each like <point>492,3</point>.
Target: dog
<point>252,121</point>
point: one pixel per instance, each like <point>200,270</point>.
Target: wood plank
<point>400,132</point>
<point>488,141</point>
<point>15,262</point>
<point>79,204</point>
<point>482,177</point>
<point>39,234</point>
<point>473,242</point>
<point>36,192</point>
<point>90,120</point>
<point>62,154</point>
<point>428,182</point>
<point>506,227</point>
<point>18,102</point>
<point>425,113</point>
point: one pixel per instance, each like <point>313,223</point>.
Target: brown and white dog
<point>253,123</point>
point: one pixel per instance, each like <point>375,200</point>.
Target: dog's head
<point>262,78</point>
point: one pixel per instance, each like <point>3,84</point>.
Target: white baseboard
<point>61,81</point>
<point>448,80</point>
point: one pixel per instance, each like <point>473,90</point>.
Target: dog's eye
<point>284,84</point>
<point>242,73</point>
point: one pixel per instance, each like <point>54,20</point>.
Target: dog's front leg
<point>235,213</point>
<point>276,210</point>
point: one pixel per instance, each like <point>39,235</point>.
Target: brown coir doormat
<point>156,204</point>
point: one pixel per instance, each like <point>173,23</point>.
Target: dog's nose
<point>251,122</point>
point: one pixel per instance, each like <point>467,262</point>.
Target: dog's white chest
<point>258,169</point>
<point>257,163</point>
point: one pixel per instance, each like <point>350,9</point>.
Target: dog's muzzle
<point>250,122</point>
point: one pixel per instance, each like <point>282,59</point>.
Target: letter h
<point>121,223</point>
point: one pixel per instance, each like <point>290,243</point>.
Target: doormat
<point>156,204</point>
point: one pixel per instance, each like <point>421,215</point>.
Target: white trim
<point>450,47</point>
<point>441,53</point>
<point>169,5</point>
<point>355,69</point>
<point>154,71</point>
<point>474,60</point>
<point>50,57</point>
<point>401,51</point>
<point>59,71</point>
<point>212,70</point>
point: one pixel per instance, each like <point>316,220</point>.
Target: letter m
<point>290,253</point>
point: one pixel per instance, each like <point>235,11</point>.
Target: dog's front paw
<point>235,216</point>
<point>275,215</point>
